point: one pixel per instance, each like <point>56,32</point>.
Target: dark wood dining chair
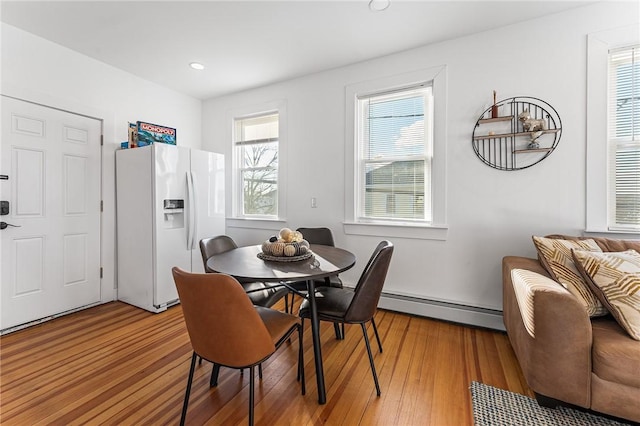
<point>226,329</point>
<point>323,236</point>
<point>357,306</point>
<point>261,294</point>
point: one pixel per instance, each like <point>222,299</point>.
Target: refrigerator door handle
<point>195,204</point>
<point>190,218</point>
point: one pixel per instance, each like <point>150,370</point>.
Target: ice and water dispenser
<point>173,213</point>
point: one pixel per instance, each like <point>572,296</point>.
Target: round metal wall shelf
<point>503,139</point>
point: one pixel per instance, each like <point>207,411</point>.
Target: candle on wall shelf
<point>494,108</point>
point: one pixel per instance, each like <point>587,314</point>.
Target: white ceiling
<point>246,44</point>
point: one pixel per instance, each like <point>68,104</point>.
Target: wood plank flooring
<point>119,365</point>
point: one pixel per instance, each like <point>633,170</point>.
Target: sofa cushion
<point>615,279</point>
<point>555,256</point>
<point>606,244</point>
<point>615,356</point>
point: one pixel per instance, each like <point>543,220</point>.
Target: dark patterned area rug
<point>497,407</point>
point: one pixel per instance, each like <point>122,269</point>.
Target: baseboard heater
<point>448,311</point>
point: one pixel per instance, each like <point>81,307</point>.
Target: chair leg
<point>251,387</point>
<point>214,375</point>
<point>260,371</point>
<point>301,360</point>
<point>373,367</point>
<point>300,367</point>
<point>286,303</point>
<point>183,416</point>
<point>375,331</point>
<point>336,329</point>
<point>292,303</point>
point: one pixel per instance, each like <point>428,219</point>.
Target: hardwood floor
<point>119,365</point>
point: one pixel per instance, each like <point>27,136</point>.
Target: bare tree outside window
<point>260,179</point>
<point>257,156</point>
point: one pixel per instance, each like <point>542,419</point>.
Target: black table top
<point>243,263</point>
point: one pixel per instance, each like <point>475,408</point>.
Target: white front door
<point>51,257</point>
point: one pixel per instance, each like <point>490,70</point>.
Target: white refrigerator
<point>168,198</point>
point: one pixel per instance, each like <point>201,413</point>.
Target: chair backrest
<point>317,236</point>
<point>369,288</point>
<point>222,323</point>
<point>215,245</point>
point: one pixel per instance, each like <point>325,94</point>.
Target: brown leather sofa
<point>566,356</point>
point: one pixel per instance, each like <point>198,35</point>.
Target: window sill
<point>255,223</point>
<point>628,234</point>
<point>420,232</point>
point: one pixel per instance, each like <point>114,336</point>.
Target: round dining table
<point>244,264</point>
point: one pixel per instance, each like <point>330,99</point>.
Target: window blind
<point>624,138</point>
<point>395,153</point>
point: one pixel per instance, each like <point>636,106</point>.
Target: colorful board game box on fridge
<point>133,135</point>
<point>149,133</point>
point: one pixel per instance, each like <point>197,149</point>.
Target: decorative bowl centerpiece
<point>287,246</point>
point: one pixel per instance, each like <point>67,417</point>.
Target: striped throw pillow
<point>615,278</point>
<point>555,256</point>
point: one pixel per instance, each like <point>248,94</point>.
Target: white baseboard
<point>447,311</point>
<point>45,319</point>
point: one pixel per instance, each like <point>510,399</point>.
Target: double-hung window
<point>395,155</point>
<point>613,131</point>
<point>624,138</point>
<point>256,143</point>
<point>395,148</point>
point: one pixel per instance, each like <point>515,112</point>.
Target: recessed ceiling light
<point>196,65</point>
<point>379,5</point>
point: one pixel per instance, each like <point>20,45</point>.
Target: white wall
<point>40,71</point>
<point>491,213</point>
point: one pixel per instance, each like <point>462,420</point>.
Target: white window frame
<point>597,180</point>
<point>237,218</point>
<point>365,159</point>
<point>437,228</point>
<point>621,174</point>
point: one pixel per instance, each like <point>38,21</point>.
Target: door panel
<point>27,125</point>
<point>28,183</point>
<point>207,169</point>
<point>75,190</point>
<point>29,266</point>
<point>51,261</point>
<point>75,262</point>
<point>171,228</point>
<point>76,135</point>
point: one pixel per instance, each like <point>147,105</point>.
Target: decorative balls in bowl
<point>287,243</point>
